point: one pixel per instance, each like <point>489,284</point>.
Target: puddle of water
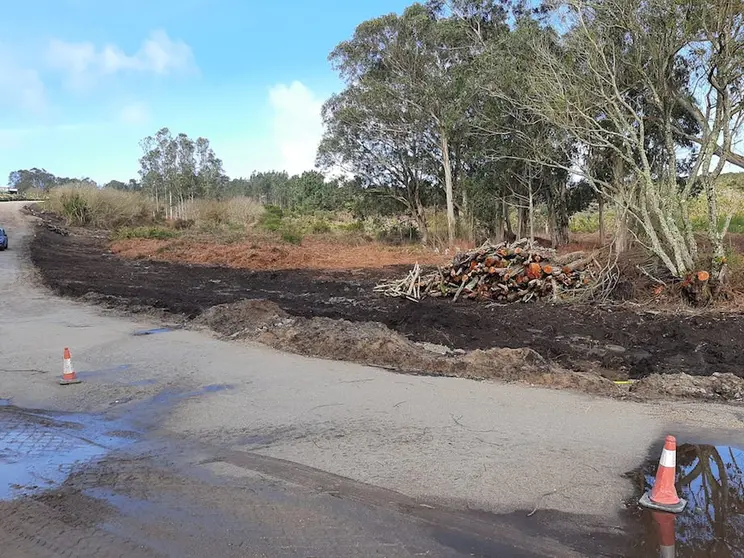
<point>39,451</point>
<point>152,331</point>
<point>711,479</point>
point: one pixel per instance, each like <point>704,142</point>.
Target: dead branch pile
<point>501,273</point>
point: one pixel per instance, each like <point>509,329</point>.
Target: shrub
<point>75,209</point>
<point>737,224</point>
<point>271,220</point>
<point>214,212</point>
<point>183,224</point>
<point>155,233</point>
<point>354,226</point>
<point>291,235</point>
<point>321,227</point>
<point>584,222</point>
<point>244,210</point>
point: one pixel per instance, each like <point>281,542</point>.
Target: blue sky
<point>82,81</point>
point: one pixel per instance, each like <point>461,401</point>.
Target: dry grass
<point>83,205</point>
<point>241,211</point>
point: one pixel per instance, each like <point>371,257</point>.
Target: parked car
<point>3,240</point>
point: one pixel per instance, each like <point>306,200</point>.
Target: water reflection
<point>711,479</point>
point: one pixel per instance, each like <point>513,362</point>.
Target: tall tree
<point>372,136</point>
<point>420,63</point>
<point>175,169</point>
<point>624,71</point>
<point>41,179</point>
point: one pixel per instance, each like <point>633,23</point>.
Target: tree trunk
<point>499,224</point>
<point>622,234</point>
<point>507,218</point>
<point>467,216</point>
<point>419,214</point>
<point>531,214</point>
<point>522,221</point>
<point>601,221</point>
<point>718,263</point>
<point>558,219</point>
<point>451,223</point>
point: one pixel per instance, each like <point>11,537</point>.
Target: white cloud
<point>297,125</point>
<point>134,114</point>
<point>84,62</point>
<point>20,86</point>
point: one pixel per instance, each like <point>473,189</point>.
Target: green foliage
<point>584,222</point>
<point>40,179</point>
<point>321,226</point>
<point>174,169</point>
<point>272,218</point>
<point>75,208</point>
<point>700,223</point>
<point>152,232</point>
<point>291,235</point>
<point>737,224</point>
<point>354,226</point>
<point>734,180</point>
<point>306,193</point>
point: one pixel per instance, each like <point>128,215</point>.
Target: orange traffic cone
<point>665,532</point>
<point>68,374</point>
<point>663,495</point>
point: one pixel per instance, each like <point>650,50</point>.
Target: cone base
<point>646,502</point>
<point>64,382</point>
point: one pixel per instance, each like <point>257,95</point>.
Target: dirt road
<point>210,448</point>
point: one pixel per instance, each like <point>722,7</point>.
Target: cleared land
<point>616,342</point>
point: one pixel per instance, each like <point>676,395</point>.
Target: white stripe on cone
<point>666,552</point>
<point>668,459</point>
<point>67,370</point>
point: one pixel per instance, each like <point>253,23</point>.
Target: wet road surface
<point>80,485</point>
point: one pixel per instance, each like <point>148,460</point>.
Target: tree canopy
<point>635,104</point>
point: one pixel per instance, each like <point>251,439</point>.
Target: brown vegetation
<point>313,253</point>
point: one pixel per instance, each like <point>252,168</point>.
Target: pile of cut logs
<point>504,272</point>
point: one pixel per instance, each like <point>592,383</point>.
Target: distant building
<point>8,190</point>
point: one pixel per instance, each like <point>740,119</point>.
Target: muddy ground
<point>617,342</point>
